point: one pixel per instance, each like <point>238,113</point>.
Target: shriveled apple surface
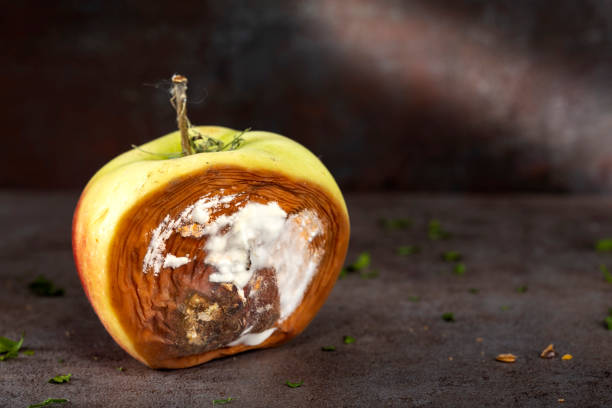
<point>404,353</point>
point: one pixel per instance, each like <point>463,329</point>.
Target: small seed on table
<point>506,358</point>
<point>548,352</point>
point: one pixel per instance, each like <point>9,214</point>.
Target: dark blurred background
<point>463,95</point>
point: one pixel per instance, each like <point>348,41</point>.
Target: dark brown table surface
<point>405,354</point>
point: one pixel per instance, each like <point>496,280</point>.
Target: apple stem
<point>179,102</point>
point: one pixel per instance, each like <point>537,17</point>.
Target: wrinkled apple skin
<point>122,182</point>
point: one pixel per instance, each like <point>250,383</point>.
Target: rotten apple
<point>190,258</point>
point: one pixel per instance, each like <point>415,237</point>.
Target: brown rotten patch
<point>180,318</point>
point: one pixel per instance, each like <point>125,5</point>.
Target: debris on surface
<point>348,339</point>
<point>60,379</point>
<point>9,348</point>
<point>548,352</point>
<point>522,289</point>
<point>222,401</point>
<point>407,250</point>
<point>49,401</point>
<point>395,223</point>
<point>506,358</point>
<point>294,384</point>
<point>459,269</point>
<point>41,286</point>
<point>452,256</point>
<point>604,245</point>
<point>436,232</point>
<point>362,263</point>
<point>448,317</point>
<point>606,273</point>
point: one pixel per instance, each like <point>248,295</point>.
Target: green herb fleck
<point>60,360</point>
<point>608,319</point>
<point>328,348</point>
<point>504,308</point>
<point>606,273</point>
<point>395,223</point>
<point>459,269</point>
<point>370,274</point>
<point>42,286</point>
<point>362,262</point>
<point>48,401</point>
<point>59,379</point>
<point>223,401</point>
<point>294,384</point>
<point>604,245</point>
<point>405,250</point>
<point>608,322</point>
<point>28,352</point>
<point>9,348</point>
<point>348,339</point>
<point>448,317</point>
<point>522,289</point>
<point>414,298</point>
<point>473,291</point>
<point>121,369</point>
<point>452,256</point>
<point>436,232</point>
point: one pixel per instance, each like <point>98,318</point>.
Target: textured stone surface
<point>403,349</point>
<point>464,95</point>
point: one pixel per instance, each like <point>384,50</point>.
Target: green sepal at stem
<point>205,144</point>
<point>209,145</point>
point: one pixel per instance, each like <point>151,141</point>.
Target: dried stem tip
<point>179,102</point>
<point>179,79</point>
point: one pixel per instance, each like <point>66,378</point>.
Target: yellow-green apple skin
<point>121,184</point>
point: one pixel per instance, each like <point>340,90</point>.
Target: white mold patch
<point>262,236</point>
<point>252,339</point>
<point>254,237</point>
<point>200,211</point>
<point>174,262</point>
